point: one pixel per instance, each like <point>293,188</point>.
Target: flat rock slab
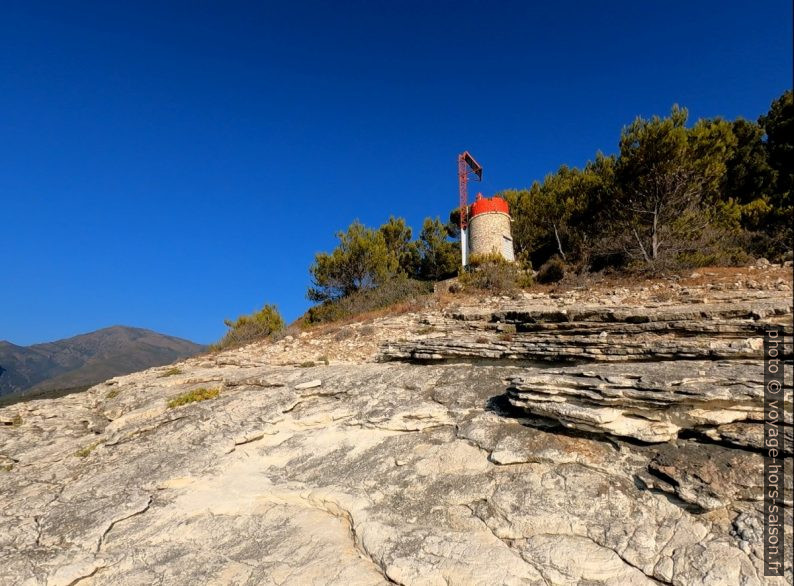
<point>398,474</point>
<point>309,385</point>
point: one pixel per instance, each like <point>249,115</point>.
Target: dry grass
<point>595,282</point>
<point>86,451</point>
<point>714,275</point>
<point>664,295</point>
<point>336,327</point>
<point>343,334</point>
<point>170,372</point>
<point>604,282</point>
<point>193,396</point>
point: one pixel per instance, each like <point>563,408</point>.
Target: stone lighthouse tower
<point>489,227</point>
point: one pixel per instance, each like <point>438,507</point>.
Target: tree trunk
<point>655,234</point>
<point>559,244</point>
<point>642,248</point>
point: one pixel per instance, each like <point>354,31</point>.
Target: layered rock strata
<point>558,332</point>
<point>655,401</point>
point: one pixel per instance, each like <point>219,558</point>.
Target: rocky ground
<point>601,435</point>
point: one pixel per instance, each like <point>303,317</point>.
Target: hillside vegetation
<point>675,196</point>
<point>717,192</point>
<point>713,193</point>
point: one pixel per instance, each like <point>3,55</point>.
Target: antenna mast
<point>466,165</point>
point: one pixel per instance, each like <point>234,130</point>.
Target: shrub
<point>552,271</point>
<point>112,394</point>
<point>495,274</point>
<point>525,279</point>
<point>394,291</point>
<point>170,372</point>
<point>193,396</point>
<point>343,334</point>
<point>248,328</point>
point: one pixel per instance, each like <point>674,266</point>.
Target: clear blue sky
<point>170,164</point>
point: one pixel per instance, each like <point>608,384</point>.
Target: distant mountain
<point>86,359</point>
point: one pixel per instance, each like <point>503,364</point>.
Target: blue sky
<point>171,164</point>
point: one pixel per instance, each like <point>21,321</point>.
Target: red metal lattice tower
<point>466,165</point>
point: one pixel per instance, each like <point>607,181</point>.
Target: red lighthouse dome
<point>484,205</point>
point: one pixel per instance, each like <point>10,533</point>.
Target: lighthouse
<point>489,227</point>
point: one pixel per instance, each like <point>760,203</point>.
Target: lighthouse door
<point>507,248</point>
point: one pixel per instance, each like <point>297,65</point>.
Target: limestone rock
<point>308,385</point>
<point>558,331</point>
<point>637,463</point>
<point>651,401</point>
<point>708,476</point>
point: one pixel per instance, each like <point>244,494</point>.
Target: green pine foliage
<point>405,252</point>
<point>674,196</point>
<point>361,261</point>
<point>440,258</point>
<point>552,271</point>
<point>374,268</point>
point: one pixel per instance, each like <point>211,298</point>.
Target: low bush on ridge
<point>248,328</point>
<point>494,274</point>
<point>552,271</point>
<point>389,293</point>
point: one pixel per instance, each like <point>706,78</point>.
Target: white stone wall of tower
<point>489,232</point>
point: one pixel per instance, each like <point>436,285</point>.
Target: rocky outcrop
<point>653,401</point>
<point>368,473</point>
<point>359,472</point>
<point>562,330</point>
<point>707,476</point>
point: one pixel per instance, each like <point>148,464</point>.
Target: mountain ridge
<point>86,359</point>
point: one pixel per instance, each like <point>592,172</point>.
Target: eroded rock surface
<point>654,401</point>
<point>563,330</point>
<point>359,472</point>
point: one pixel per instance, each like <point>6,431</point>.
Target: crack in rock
<point>336,510</point>
<point>139,511</point>
<point>86,576</point>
